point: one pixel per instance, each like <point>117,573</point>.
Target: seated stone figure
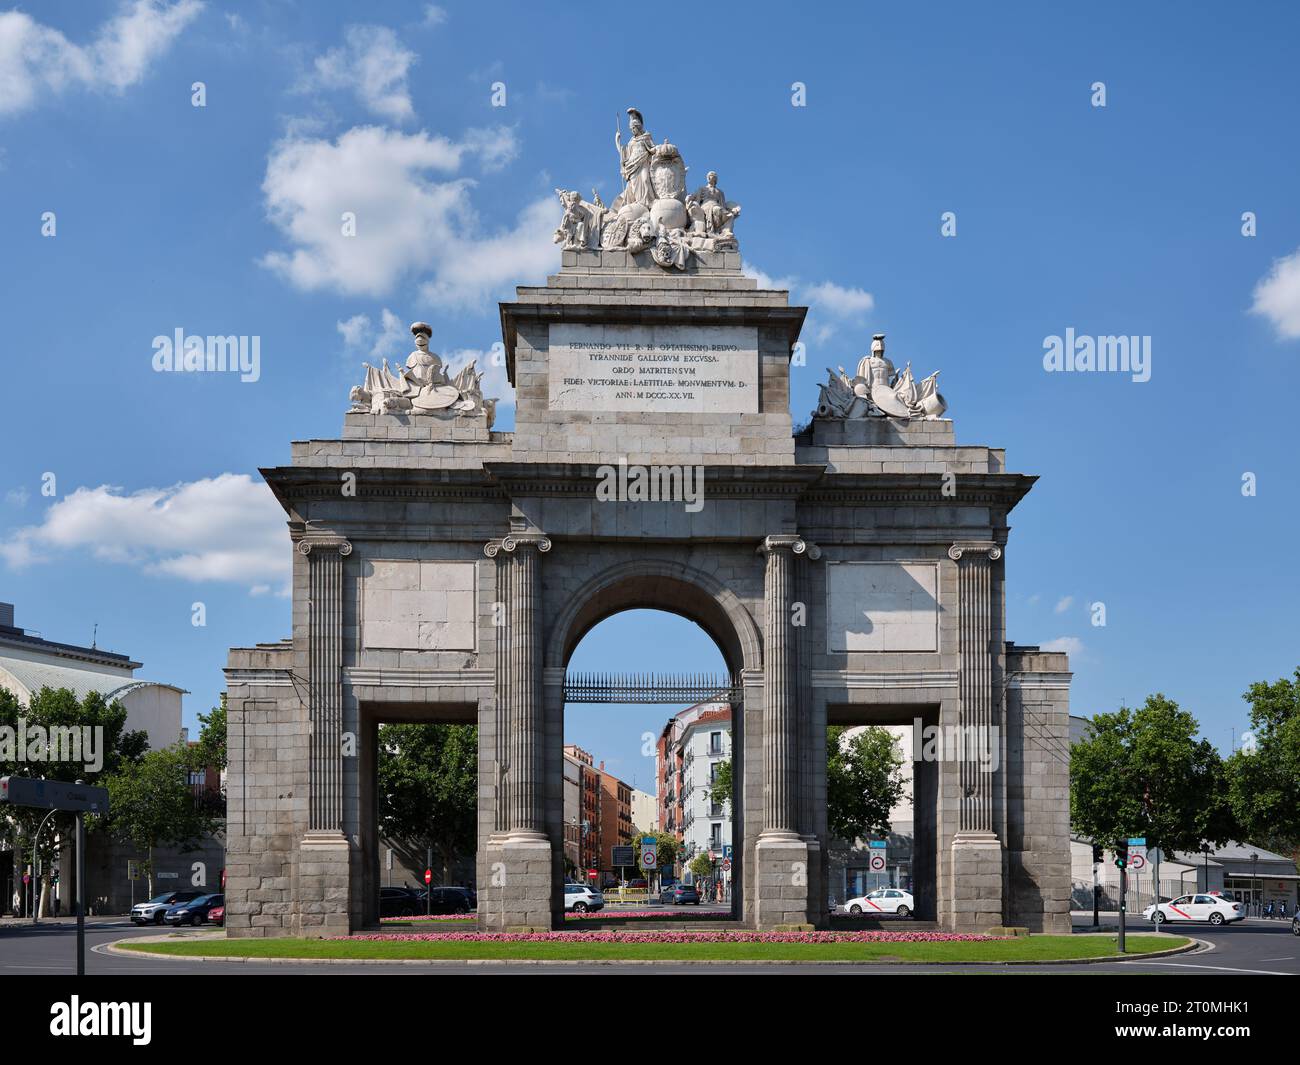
<point>710,209</point>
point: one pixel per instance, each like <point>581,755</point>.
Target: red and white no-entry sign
<point>428,876</point>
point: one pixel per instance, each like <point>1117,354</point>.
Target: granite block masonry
<point>850,574</point>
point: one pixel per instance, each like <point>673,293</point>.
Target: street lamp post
<point>1254,881</point>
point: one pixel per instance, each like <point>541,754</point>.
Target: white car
<point>579,898</point>
<point>883,901</point>
<point>1212,908</point>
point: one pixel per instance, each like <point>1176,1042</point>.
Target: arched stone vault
<point>658,584</point>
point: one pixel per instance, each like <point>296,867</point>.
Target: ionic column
<point>325,556</point>
<point>975,629</point>
<point>519,680</point>
<point>781,754</point>
<point>501,684</point>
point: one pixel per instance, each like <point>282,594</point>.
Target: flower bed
<point>665,936</point>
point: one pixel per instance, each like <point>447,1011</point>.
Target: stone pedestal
<point>517,895</point>
<point>782,882</point>
<point>975,904</point>
<point>322,885</point>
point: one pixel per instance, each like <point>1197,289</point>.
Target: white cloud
<point>373,65</point>
<point>407,221</point>
<point>1071,645</point>
<point>225,528</point>
<point>829,305</point>
<point>434,15</point>
<point>1277,296</point>
<point>1064,603</point>
<point>38,60</point>
<point>17,497</point>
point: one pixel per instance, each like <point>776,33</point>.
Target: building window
<point>715,836</point>
<point>715,743</point>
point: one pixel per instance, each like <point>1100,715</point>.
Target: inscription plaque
<point>654,369</point>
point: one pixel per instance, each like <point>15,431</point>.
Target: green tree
<point>32,725</point>
<point>152,804</point>
<point>210,750</point>
<point>1264,776</point>
<point>428,789</point>
<point>1144,773</point>
<point>720,789</point>
<point>864,781</point>
<point>701,865</point>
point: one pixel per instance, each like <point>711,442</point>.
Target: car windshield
<point>158,900</point>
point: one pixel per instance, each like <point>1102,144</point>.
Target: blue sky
<point>223,219</point>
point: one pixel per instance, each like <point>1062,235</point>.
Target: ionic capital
<point>795,544</point>
<point>312,542</point>
<point>975,547</point>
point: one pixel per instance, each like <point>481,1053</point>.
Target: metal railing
<point>650,688</point>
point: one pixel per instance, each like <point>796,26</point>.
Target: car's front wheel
<point>855,908</point>
<point>903,911</point>
<point>158,918</point>
<point>1216,918</point>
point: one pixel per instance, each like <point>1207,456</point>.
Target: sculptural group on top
<point>654,210</point>
<point>879,390</point>
<point>422,386</point>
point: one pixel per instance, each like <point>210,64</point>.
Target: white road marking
<point>1218,968</point>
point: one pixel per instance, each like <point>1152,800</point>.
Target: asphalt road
<point>1252,947</point>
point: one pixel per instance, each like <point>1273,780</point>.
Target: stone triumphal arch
<point>850,572</point>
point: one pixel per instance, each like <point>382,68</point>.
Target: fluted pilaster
<point>975,629</point>
<point>325,673</point>
<point>519,684</point>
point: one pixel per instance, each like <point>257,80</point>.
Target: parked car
<point>399,902</point>
<point>217,915</point>
<point>894,901</point>
<point>680,895</point>
<point>1215,909</point>
<point>153,911</point>
<point>1295,924</point>
<point>578,898</point>
<point>193,911</point>
<point>445,900</point>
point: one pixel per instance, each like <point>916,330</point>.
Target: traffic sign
<point>132,869</point>
<point>649,853</point>
<point>428,876</point>
<point>726,865</point>
<point>726,851</point>
<point>53,795</point>
<point>1137,853</point>
<point>620,857</point>
<point>878,858</point>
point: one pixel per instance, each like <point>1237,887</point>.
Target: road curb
<point>113,948</point>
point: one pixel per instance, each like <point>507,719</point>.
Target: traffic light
<point>1098,854</point>
<point>54,878</point>
<point>1121,855</point>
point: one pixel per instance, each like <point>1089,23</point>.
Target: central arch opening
<point>653,758</point>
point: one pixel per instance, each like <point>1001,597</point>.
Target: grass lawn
<point>1030,948</point>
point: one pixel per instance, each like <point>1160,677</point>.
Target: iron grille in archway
<point>651,688</point>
